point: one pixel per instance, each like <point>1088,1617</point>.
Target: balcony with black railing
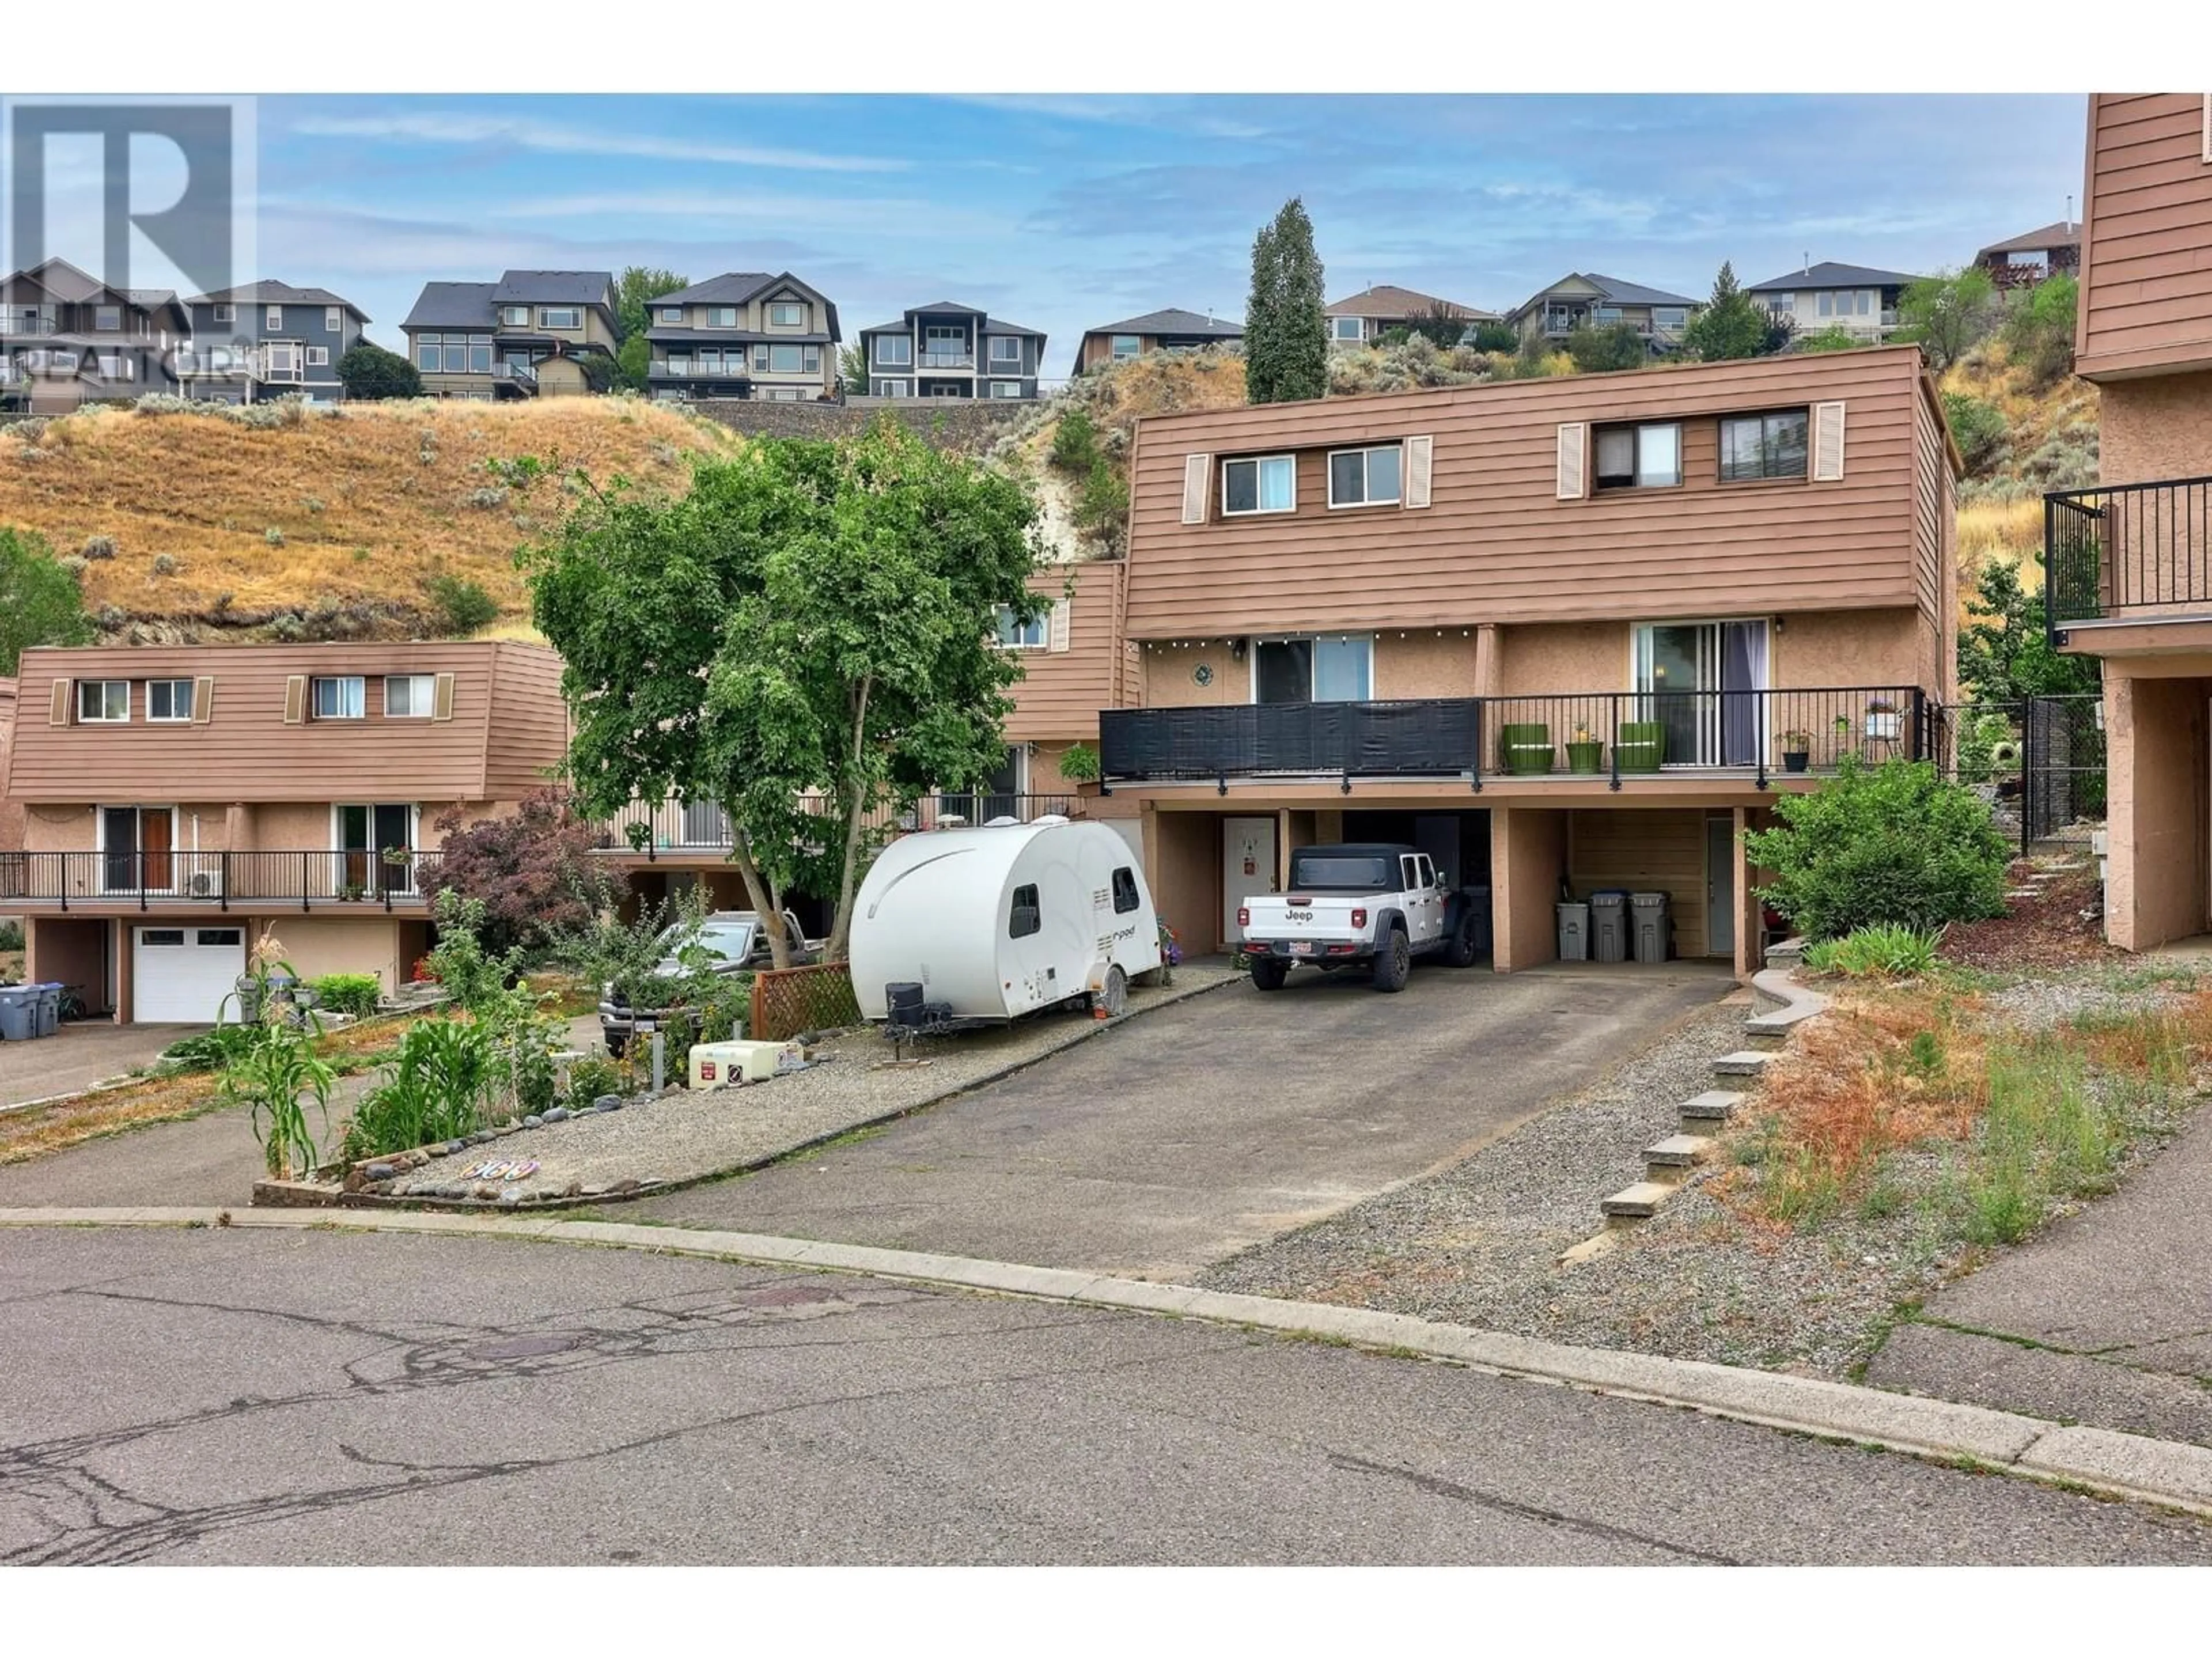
<point>104,881</point>
<point>2128,553</point>
<point>679,830</point>
<point>1612,739</point>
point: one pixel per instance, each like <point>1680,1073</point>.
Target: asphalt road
<point>221,1396</point>
<point>1206,1128</point>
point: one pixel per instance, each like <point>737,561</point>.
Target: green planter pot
<point>1527,748</point>
<point>1588,758</point>
<point>1639,746</point>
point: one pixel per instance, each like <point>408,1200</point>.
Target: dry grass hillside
<point>2050,442</point>
<point>325,525</point>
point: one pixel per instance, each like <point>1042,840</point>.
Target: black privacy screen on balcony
<point>1399,738</point>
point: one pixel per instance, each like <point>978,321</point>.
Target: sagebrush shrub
<point>1893,844</point>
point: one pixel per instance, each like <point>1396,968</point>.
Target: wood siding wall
<point>1060,692</point>
<point>527,735</point>
<point>245,750</point>
<point>1498,544</point>
<point>1651,851</point>
<point>2146,236</point>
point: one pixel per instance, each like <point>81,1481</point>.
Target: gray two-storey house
<point>66,338</point>
<point>268,339</point>
<point>531,333</point>
<point>743,334</point>
<point>952,350</point>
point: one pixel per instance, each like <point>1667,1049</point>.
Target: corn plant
<point>273,1065</point>
<point>435,1089</point>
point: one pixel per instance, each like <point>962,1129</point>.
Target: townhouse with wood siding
<point>1562,634</point>
<point>179,802</point>
<point>2128,565</point>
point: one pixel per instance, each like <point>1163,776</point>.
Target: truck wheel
<point>1459,951</point>
<point>1115,998</point>
<point>1392,962</point>
<point>1268,974</point>
<point>616,1041</point>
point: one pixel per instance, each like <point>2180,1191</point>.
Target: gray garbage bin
<point>50,1007</point>
<point>1609,926</point>
<point>19,1013</point>
<point>1574,932</point>
<point>1653,925</point>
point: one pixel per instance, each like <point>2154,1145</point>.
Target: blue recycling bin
<point>19,1013</point>
<point>50,1007</point>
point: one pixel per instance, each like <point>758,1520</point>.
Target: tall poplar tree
<point>1285,334</point>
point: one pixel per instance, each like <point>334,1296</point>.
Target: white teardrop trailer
<point>957,929</point>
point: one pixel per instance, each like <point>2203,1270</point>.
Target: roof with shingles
<point>2060,233</point>
<point>1828,273</point>
<point>1173,320</point>
<point>1387,299</point>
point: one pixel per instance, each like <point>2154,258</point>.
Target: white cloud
<point>555,137</point>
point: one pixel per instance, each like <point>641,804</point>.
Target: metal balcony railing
<point>694,827</point>
<point>2128,552</point>
<point>961,360</point>
<point>1603,736</point>
<point>218,881</point>
<point>26,324</point>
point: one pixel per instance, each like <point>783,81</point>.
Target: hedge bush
<point>1889,845</point>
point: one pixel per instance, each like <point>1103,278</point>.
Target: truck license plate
<point>1302,947</point>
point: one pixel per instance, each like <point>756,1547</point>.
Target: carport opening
<point>1457,843</point>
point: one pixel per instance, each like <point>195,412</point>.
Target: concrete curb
<point>2172,1474</point>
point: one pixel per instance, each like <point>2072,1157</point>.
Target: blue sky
<point>1063,212</point>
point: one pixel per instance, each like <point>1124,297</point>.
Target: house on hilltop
<point>531,333</point>
<point>743,334</point>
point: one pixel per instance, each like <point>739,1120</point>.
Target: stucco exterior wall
<point>1183,867</point>
<point>2154,428</point>
<point>316,945</point>
<point>1527,856</point>
<point>2156,802</point>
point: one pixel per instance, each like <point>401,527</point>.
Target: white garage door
<point>182,974</point>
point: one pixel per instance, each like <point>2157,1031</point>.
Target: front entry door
<point>1720,887</point>
<point>1247,866</point>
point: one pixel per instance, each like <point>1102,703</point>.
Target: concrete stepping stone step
<point>1707,1111</point>
<point>1637,1203</point>
<point>1669,1161</point>
<point>1743,1063</point>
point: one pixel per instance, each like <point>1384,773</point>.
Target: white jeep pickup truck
<point>1372,904</point>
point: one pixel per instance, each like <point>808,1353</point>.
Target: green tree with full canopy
<point>809,635</point>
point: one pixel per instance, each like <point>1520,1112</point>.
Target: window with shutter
<point>1827,442</point>
<point>1419,453</point>
<point>1196,470</point>
<point>1574,440</point>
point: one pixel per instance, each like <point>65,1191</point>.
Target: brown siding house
<point>1478,618</point>
<point>2129,563</point>
<point>180,801</point>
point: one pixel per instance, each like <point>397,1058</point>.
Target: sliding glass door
<point>1702,683</point>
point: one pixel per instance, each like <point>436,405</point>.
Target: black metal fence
<point>2128,550</point>
<point>2039,762</point>
<point>1598,734</point>
<point>387,880</point>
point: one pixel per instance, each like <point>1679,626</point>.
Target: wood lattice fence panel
<point>788,1001</point>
